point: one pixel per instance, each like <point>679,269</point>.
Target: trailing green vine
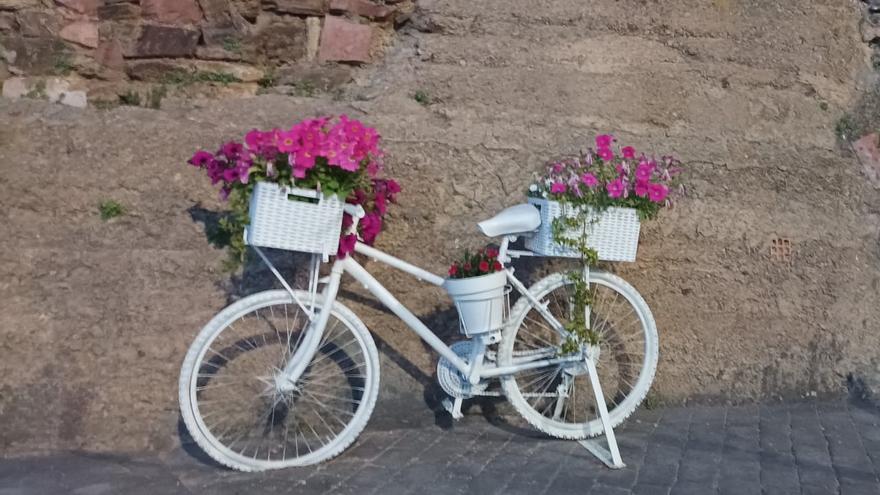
<point>579,331</point>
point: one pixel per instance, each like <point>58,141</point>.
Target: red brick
<point>344,41</point>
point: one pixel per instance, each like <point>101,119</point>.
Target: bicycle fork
<point>285,380</point>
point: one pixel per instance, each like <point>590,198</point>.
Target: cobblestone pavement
<point>803,448</point>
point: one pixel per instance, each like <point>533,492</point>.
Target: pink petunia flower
<point>644,171</point>
<point>642,188</point>
<point>346,245</point>
<point>589,180</point>
<point>657,192</point>
<point>370,225</point>
<point>615,188</point>
<point>231,150</point>
<point>628,152</point>
<point>558,188</point>
<point>605,154</point>
<point>304,158</point>
<point>200,159</point>
<point>288,142</point>
<point>254,139</point>
<point>604,140</point>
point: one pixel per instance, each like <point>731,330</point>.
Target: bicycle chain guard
<point>451,380</point>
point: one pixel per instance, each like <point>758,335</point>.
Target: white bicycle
<point>290,377</point>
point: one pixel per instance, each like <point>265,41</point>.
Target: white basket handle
<point>302,193</point>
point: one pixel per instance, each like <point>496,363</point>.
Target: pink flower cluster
<point>619,178</point>
<point>375,203</point>
<point>319,152</point>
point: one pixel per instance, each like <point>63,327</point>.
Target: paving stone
<point>475,456</point>
<point>650,489</point>
<point>692,488</point>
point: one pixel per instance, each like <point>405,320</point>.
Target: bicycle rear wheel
<point>234,411</point>
<point>559,400</point>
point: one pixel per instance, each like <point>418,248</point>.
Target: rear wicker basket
<point>294,219</point>
<point>614,233</point>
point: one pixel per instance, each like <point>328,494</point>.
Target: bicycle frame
<point>475,371</point>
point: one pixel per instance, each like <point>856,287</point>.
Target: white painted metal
<point>399,264</point>
<point>299,361</point>
<point>199,423</point>
<point>616,461</point>
<point>353,268</point>
<point>644,330</point>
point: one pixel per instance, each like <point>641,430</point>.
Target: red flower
<point>491,252</point>
<point>497,266</point>
<point>484,266</point>
<point>467,267</point>
<point>453,270</point>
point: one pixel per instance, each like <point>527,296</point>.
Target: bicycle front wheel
<point>559,399</point>
<point>234,411</point>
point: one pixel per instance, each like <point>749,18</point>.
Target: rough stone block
<point>83,33</point>
<point>217,12</point>
<point>322,78</point>
<point>248,9</point>
<point>119,11</point>
<point>18,4</point>
<point>172,11</point>
<point>313,37</point>
<point>217,53</point>
<point>869,30</point>
<point>83,7</point>
<point>38,23</point>
<point>280,38</point>
<point>7,22</point>
<point>298,7</point>
<point>363,8</point>
<point>109,54</point>
<point>158,70</point>
<point>166,41</point>
<point>124,32</point>
<point>35,56</point>
<point>868,152</point>
<point>76,99</point>
<point>15,88</point>
<point>344,41</point>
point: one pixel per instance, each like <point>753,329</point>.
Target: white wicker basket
<point>294,219</point>
<point>614,234</point>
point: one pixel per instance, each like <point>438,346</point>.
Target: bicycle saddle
<point>514,220</point>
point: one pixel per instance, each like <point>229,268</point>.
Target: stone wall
<point>108,48</point>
